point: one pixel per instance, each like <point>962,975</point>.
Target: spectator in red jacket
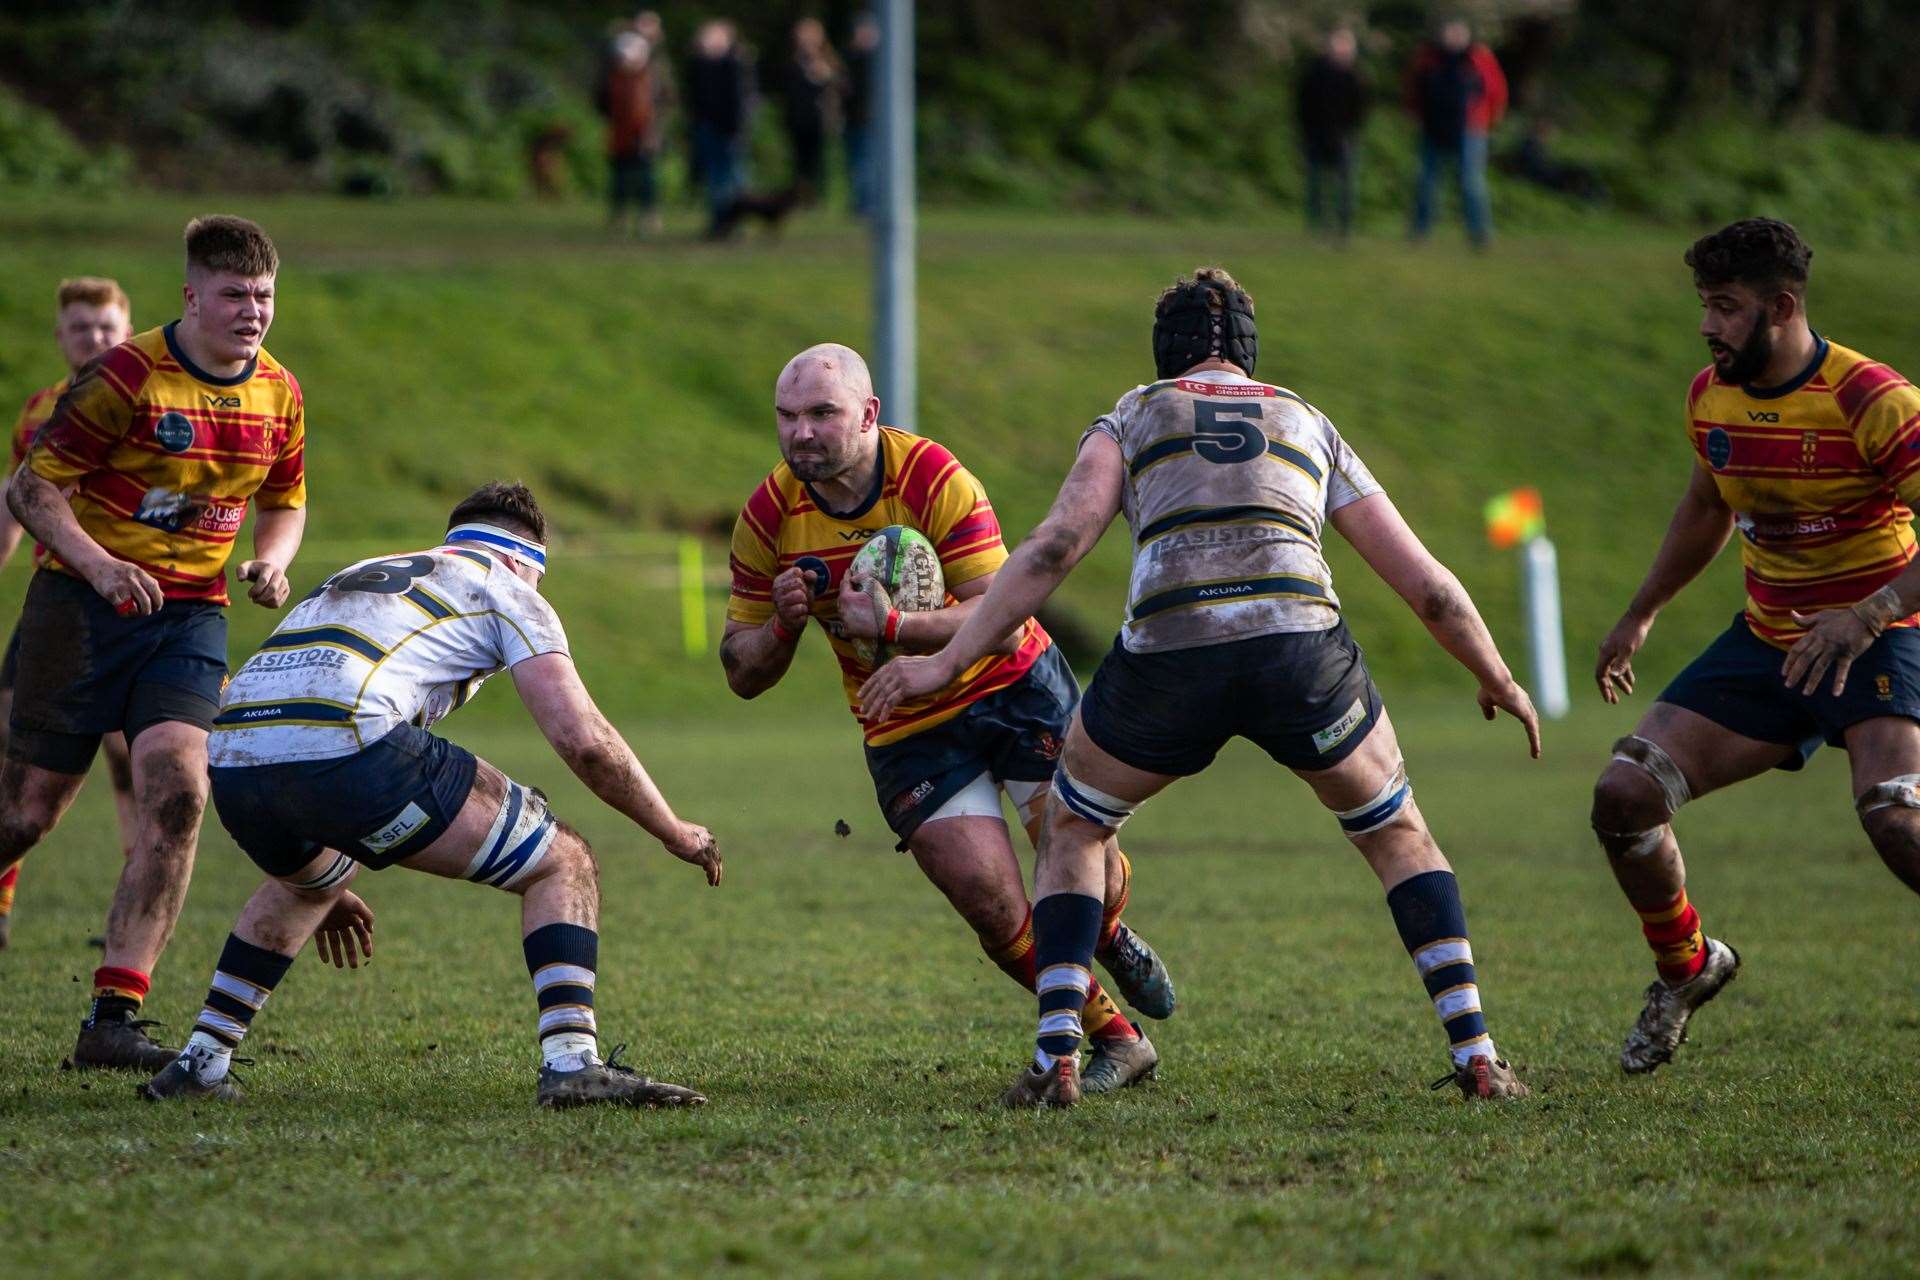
<point>1456,90</point>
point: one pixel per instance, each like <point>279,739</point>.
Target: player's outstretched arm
<point>1089,499</point>
<point>550,687</point>
<point>276,540</point>
<point>40,507</point>
<point>756,655</point>
<point>1391,549</point>
<point>1700,527</point>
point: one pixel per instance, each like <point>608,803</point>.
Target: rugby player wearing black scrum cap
<point>1232,630</point>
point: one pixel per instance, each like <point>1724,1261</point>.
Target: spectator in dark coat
<point>1455,89</point>
<point>631,102</point>
<point>815,83</point>
<point>1332,106</point>
<point>719,101</point>
<point>862,52</point>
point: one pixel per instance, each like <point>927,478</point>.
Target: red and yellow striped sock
<point>1100,1017</point>
<point>8,879</point>
<point>117,993</point>
<point>1673,931</point>
<point>1110,915</point>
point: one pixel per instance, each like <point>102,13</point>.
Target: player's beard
<point>823,464</point>
<point>1750,361</point>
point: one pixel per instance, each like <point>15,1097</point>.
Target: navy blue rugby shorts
<point>1305,698</point>
<point>1737,684</point>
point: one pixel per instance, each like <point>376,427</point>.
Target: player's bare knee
<point>569,862</point>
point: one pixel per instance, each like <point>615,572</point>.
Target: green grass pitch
<point>845,1023</point>
<point>853,1038</point>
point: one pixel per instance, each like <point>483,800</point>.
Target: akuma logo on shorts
<point>174,431</point>
<point>909,798</point>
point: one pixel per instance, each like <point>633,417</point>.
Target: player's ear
<point>871,417</point>
<point>1781,308</point>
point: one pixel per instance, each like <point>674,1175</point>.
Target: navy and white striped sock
<point>1066,928</point>
<point>241,984</point>
<point>1433,927</point>
<point>561,958</point>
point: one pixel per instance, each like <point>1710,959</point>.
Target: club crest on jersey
<point>1809,450</point>
<point>174,431</point>
<point>1719,448</point>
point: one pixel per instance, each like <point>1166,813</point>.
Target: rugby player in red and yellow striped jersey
<point>938,764</point>
<point>138,485</point>
<point>91,316</point>
<point>1811,452</point>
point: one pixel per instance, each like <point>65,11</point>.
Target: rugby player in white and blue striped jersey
<point>1232,630</point>
<point>322,764</point>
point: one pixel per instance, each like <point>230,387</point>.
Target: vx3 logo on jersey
<point>856,535</point>
<point>222,402</point>
<point>1761,415</point>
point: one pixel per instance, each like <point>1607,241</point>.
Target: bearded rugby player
<point>91,317</point>
<point>1812,452</point>
<point>939,763</point>
<point>1232,630</point>
<point>137,486</point>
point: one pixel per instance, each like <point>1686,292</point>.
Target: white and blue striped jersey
<point>1229,486</point>
<point>384,642</point>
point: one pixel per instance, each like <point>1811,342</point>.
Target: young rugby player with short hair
<point>138,485</point>
<point>1232,630</point>
<point>322,764</point>
<point>91,317</point>
<point>1812,452</point>
<point>940,762</point>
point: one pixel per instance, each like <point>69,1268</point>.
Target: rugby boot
<point>1138,973</point>
<point>1057,1086</point>
<point>181,1079</point>
<point>1662,1027</point>
<point>119,1044</point>
<point>1115,1064</point>
<point>610,1082</point>
<point>1484,1077</point>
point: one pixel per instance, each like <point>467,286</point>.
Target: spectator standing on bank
<point>815,82</point>
<point>1456,90</point>
<point>720,106</point>
<point>633,136</point>
<point>863,51</point>
<point>1332,106</point>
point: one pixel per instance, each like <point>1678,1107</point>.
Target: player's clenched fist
<point>793,598</point>
<point>127,587</point>
<point>270,588</point>
<point>694,843</point>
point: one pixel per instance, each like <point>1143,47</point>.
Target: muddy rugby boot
<point>1662,1027</point>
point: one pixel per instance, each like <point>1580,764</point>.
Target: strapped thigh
<point>1086,803</point>
<point>334,873</point>
<point>521,834</point>
<point>1388,805</point>
<point>1902,792</point>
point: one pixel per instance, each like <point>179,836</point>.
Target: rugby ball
<point>903,562</point>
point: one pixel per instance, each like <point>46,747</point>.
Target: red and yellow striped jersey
<point>920,485</point>
<point>33,416</point>
<point>1822,475</point>
<point>162,457</point>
